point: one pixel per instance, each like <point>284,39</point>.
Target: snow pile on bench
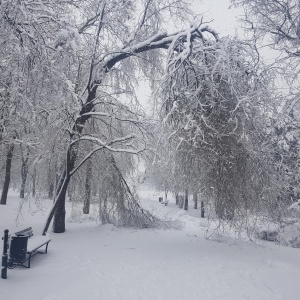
<point>36,242</point>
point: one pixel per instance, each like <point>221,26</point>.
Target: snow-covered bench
<point>23,245</point>
<point>161,200</point>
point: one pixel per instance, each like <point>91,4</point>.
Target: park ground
<point>93,261</point>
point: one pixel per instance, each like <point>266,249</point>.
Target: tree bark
<point>24,173</point>
<point>195,198</point>
<point>60,211</point>
<point>61,192</point>
<point>186,200</point>
<point>181,200</point>
<point>202,209</point>
<point>51,182</point>
<point>177,198</point>
<point>34,182</point>
<point>88,187</point>
<point>7,174</point>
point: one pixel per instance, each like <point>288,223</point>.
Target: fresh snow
<point>94,261</point>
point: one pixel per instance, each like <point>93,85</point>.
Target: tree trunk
<point>60,212</point>
<point>177,198</point>
<point>195,198</point>
<point>181,200</point>
<point>202,209</point>
<point>24,179</point>
<point>88,184</point>
<point>51,182</point>
<point>34,182</point>
<point>186,200</point>
<point>24,172</point>
<point>51,190</point>
<point>7,174</point>
<point>59,203</point>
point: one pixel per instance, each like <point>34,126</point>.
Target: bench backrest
<point>25,232</point>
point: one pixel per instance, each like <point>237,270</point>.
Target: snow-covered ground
<point>93,261</point>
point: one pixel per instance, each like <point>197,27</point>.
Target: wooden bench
<point>23,245</point>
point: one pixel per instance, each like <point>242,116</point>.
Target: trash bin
<point>18,248</point>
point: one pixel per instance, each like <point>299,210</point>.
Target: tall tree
<point>115,20</point>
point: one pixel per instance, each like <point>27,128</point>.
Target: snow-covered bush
<point>289,234</point>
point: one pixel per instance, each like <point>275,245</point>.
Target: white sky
<point>224,20</point>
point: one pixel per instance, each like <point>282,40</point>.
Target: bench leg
<point>29,259</point>
<point>46,247</point>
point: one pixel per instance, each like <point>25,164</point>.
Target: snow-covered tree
<point>125,38</point>
<point>212,99</point>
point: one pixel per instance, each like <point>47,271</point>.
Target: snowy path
<point>90,261</point>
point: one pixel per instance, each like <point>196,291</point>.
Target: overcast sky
<point>223,19</point>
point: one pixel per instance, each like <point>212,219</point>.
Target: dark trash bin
<point>18,248</point>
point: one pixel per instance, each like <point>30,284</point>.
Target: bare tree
<point>276,19</point>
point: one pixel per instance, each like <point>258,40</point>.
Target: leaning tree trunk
<point>60,212</point>
<point>7,174</point>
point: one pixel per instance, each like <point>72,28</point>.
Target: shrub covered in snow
<point>289,234</point>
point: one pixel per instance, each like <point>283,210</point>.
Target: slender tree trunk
<point>177,198</point>
<point>51,190</point>
<point>202,209</point>
<point>56,182</point>
<point>24,173</point>
<point>88,185</point>
<point>7,174</point>
<point>105,209</point>
<point>195,198</point>
<point>181,200</point>
<point>166,195</point>
<point>51,182</point>
<point>186,200</point>
<point>34,182</point>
